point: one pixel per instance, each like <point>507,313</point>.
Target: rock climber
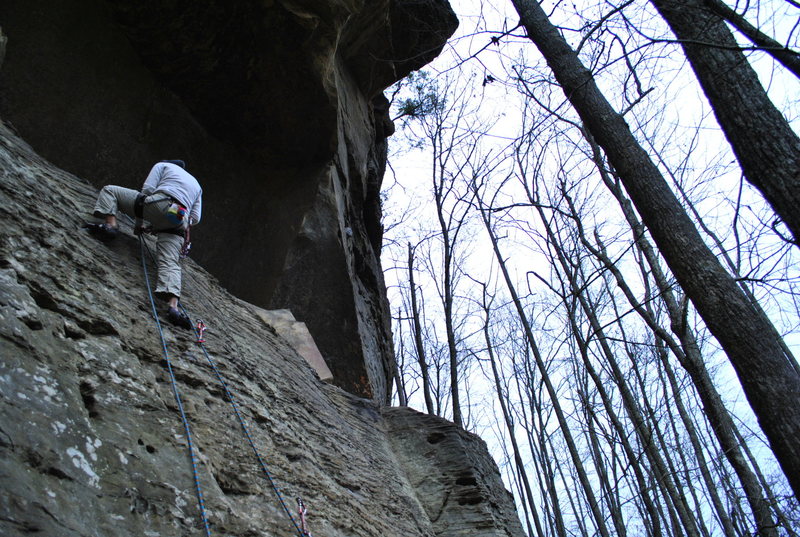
<point>170,201</point>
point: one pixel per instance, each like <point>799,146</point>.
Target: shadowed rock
<point>277,108</point>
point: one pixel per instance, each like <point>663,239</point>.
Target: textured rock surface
<point>91,443</point>
<point>276,106</point>
<point>457,485</point>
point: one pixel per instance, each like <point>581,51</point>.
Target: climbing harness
<point>199,330</point>
<point>176,214</point>
<point>138,205</point>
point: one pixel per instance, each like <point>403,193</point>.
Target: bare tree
<point>398,367</point>
<point>765,145</point>
<point>503,399</point>
<point>686,349</point>
<point>417,330</point>
<point>577,462</point>
<point>439,110</point>
<point>648,433</point>
<point>770,381</point>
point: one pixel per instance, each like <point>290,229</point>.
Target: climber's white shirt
<point>174,181</point>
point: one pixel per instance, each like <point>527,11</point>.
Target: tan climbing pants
<point>116,198</point>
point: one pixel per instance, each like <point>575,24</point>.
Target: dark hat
<point>180,163</point>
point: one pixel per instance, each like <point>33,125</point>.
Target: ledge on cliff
<point>90,440</point>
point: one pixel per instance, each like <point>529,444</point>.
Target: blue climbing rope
<point>245,430</point>
<point>302,532</point>
<point>177,394</point>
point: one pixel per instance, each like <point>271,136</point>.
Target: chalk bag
<point>176,214</point>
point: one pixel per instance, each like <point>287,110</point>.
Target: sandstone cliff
<point>277,107</point>
<point>91,442</point>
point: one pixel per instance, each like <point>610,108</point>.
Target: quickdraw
<point>187,243</point>
<point>301,514</point>
<point>201,327</point>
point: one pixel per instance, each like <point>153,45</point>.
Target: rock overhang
<point>277,106</point>
<point>260,74</point>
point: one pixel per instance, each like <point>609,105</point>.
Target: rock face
<point>276,105</point>
<point>91,441</point>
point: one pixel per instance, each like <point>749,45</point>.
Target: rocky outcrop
<point>277,108</point>
<point>91,442</point>
<point>457,485</point>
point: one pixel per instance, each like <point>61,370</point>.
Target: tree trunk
<point>766,147</point>
<point>503,400</point>
<point>583,477</point>
<point>654,514</point>
<point>543,459</point>
<point>734,267</point>
<point>448,244</point>
<point>602,474</point>
<point>649,317</point>
<point>694,439</point>
<point>423,362</point>
<point>688,352</point>
<point>771,384</point>
<point>402,396</point>
<point>785,56</point>
<point>645,432</point>
<point>783,520</point>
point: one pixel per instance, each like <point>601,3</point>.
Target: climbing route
<point>199,330</point>
<point>176,393</point>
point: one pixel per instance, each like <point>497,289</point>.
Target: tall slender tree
<point>764,143</point>
<point>419,346</point>
<point>531,340</point>
<point>503,400</point>
<point>769,380</point>
<point>686,348</point>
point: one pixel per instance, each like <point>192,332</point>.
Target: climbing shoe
<point>102,232</point>
<point>178,318</point>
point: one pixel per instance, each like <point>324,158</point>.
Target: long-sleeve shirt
<point>174,181</point>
